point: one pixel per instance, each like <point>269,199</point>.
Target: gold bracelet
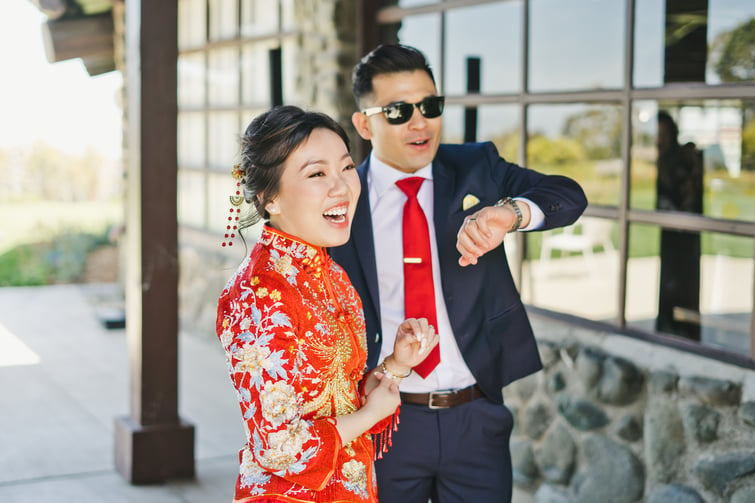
<point>391,375</point>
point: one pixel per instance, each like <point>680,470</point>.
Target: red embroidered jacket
<point>294,334</point>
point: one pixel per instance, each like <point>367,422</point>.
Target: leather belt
<point>443,399</point>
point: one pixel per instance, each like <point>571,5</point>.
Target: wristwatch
<point>514,206</point>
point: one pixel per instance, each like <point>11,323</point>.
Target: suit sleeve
<point>561,199</point>
<point>257,325</point>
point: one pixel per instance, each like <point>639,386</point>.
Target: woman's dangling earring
<point>237,200</point>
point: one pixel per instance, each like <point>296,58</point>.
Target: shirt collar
<point>381,177</point>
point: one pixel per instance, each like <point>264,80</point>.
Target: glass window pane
<point>223,135</point>
<point>574,270</point>
<point>223,77</point>
<point>191,79</point>
<point>288,14</point>
<point>258,17</point>
<point>255,73</point>
<point>223,23</point>
<point>692,285</point>
<point>406,3</point>
<point>422,32</point>
<point>290,69</point>
<point>191,23</point>
<point>696,157</point>
<point>587,52</point>
<point>648,43</point>
<point>191,140</point>
<point>496,123</point>
<point>492,34</point>
<point>191,198</point>
<point>580,141</point>
<point>710,41</point>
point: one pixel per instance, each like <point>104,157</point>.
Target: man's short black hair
<point>384,59</point>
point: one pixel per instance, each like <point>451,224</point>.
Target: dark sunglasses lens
<point>398,113</point>
<point>432,107</point>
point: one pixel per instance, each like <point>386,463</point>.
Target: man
<point>453,441</point>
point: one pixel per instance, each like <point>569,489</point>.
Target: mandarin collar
<point>306,253</point>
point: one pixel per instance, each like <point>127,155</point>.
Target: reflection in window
<point>710,144</point>
<point>580,141</point>
<point>693,41</point>
<point>717,309</point>
<point>579,258</point>
<point>584,53</point>
<point>496,123</point>
<point>492,33</point>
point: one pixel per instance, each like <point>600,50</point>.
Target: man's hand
<point>485,230</point>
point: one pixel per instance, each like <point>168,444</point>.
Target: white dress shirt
<point>387,207</point>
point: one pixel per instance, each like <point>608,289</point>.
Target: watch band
<point>510,202</point>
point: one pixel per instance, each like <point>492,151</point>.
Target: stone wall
<point>615,419</point>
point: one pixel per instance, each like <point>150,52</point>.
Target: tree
<point>598,130</point>
<point>731,53</point>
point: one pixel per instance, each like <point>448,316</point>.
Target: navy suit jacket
<point>488,318</point>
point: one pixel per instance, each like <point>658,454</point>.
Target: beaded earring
<point>236,200</point>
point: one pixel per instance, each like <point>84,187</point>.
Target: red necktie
<point>419,294</point>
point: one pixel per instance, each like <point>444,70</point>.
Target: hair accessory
<point>236,200</point>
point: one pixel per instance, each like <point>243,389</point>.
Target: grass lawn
<point>48,242</point>
<point>33,222</point>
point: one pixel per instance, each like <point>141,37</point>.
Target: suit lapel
<point>443,195</point>
<point>363,240</point>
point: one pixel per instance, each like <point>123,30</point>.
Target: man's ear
<point>362,125</point>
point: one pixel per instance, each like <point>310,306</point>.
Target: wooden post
<point>152,443</point>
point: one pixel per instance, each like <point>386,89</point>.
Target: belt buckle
<point>433,394</point>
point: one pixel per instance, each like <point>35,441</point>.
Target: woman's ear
<point>271,207</point>
<point>362,125</point>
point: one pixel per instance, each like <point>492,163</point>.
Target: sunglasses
<point>400,112</point>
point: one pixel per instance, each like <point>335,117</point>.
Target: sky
<point>58,103</point>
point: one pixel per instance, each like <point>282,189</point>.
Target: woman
<point>292,324</point>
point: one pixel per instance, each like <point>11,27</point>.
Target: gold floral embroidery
<point>355,474</point>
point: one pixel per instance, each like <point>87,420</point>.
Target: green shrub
<point>60,260</point>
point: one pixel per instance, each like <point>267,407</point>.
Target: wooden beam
<point>152,444</point>
<point>89,37</point>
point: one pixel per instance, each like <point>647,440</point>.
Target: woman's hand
<point>414,340</point>
<point>382,400</point>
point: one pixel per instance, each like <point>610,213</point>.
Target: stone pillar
<point>152,443</point>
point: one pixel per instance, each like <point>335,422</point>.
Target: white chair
<point>583,237</point>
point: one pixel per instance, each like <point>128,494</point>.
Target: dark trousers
<point>456,455</point>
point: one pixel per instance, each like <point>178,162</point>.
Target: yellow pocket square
<point>469,201</point>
